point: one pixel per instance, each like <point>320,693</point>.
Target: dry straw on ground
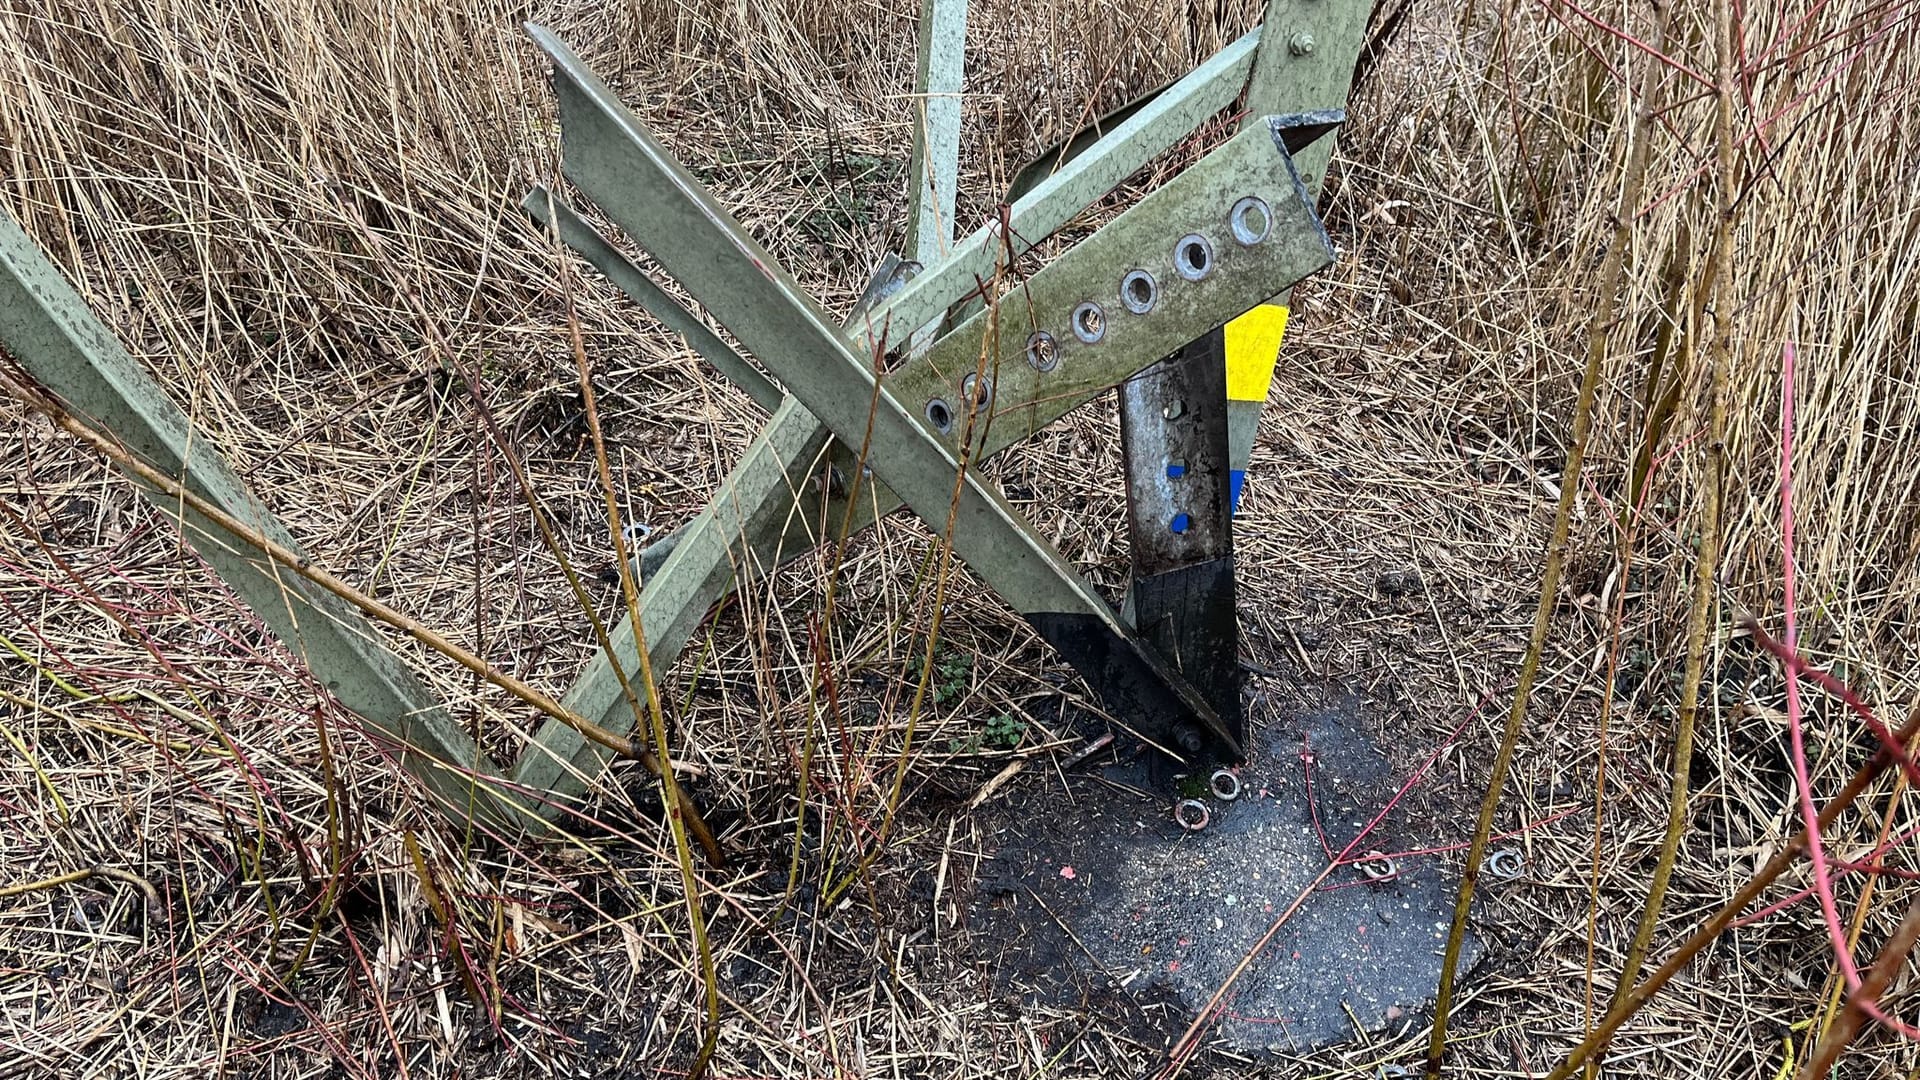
<point>282,208</point>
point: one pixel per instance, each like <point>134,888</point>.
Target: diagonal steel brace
<point>888,275</point>
<point>917,444</point>
<point>58,340</point>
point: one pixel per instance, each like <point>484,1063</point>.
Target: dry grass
<point>282,207</point>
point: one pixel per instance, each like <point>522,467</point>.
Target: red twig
<point>1760,128</point>
<point>1810,816</point>
<point>1307,759</point>
<point>1799,665</point>
<point>1188,1044</point>
<point>1415,853</point>
<point>1629,39</point>
<point>1867,863</point>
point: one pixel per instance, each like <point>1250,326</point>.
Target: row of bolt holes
<point>1250,221</point>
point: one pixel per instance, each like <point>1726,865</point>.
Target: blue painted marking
<point>1181,522</point>
<point>1236,477</point>
<point>1175,472</point>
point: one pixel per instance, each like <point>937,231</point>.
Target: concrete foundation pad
<point>1099,892</point>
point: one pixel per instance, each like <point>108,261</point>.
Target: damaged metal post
<point>1034,376</point>
<point>1188,424</point>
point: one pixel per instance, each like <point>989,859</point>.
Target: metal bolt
<point>1225,785</point>
<point>1189,739</point>
<point>1043,353</point>
<point>1301,43</point>
<point>975,389</point>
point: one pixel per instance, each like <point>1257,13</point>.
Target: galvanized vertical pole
<point>50,330</point>
<point>1181,594</point>
<point>939,79</point>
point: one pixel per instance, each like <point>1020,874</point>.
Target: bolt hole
<point>977,391</point>
<point>1140,291</point>
<point>1173,410</point>
<point>1251,220</point>
<point>1193,257</point>
<point>940,416</point>
<point>1180,523</point>
<point>1043,353</point>
<point>1089,322</point>
<point>1176,468</point>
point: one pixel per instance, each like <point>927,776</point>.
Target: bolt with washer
<point>1225,785</point>
<point>1301,43</point>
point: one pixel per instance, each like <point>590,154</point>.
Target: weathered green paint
<point>1286,79</point>
<point>1076,185</point>
<point>1196,202</point>
<point>780,500</point>
<point>548,208</point>
<point>739,283</point>
<point>934,178</point>
<point>616,161</point>
<point>50,330</point>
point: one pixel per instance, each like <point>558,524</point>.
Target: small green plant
<point>950,675</point>
<point>1003,732</point>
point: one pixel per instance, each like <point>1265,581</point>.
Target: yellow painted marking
<point>1253,346</point>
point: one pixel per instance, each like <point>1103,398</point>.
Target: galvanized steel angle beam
<point>49,329</point>
<point>1131,292</point>
<point>939,79</point>
<point>1053,201</point>
<point>551,211</point>
<point>606,150</point>
<point>769,508</point>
